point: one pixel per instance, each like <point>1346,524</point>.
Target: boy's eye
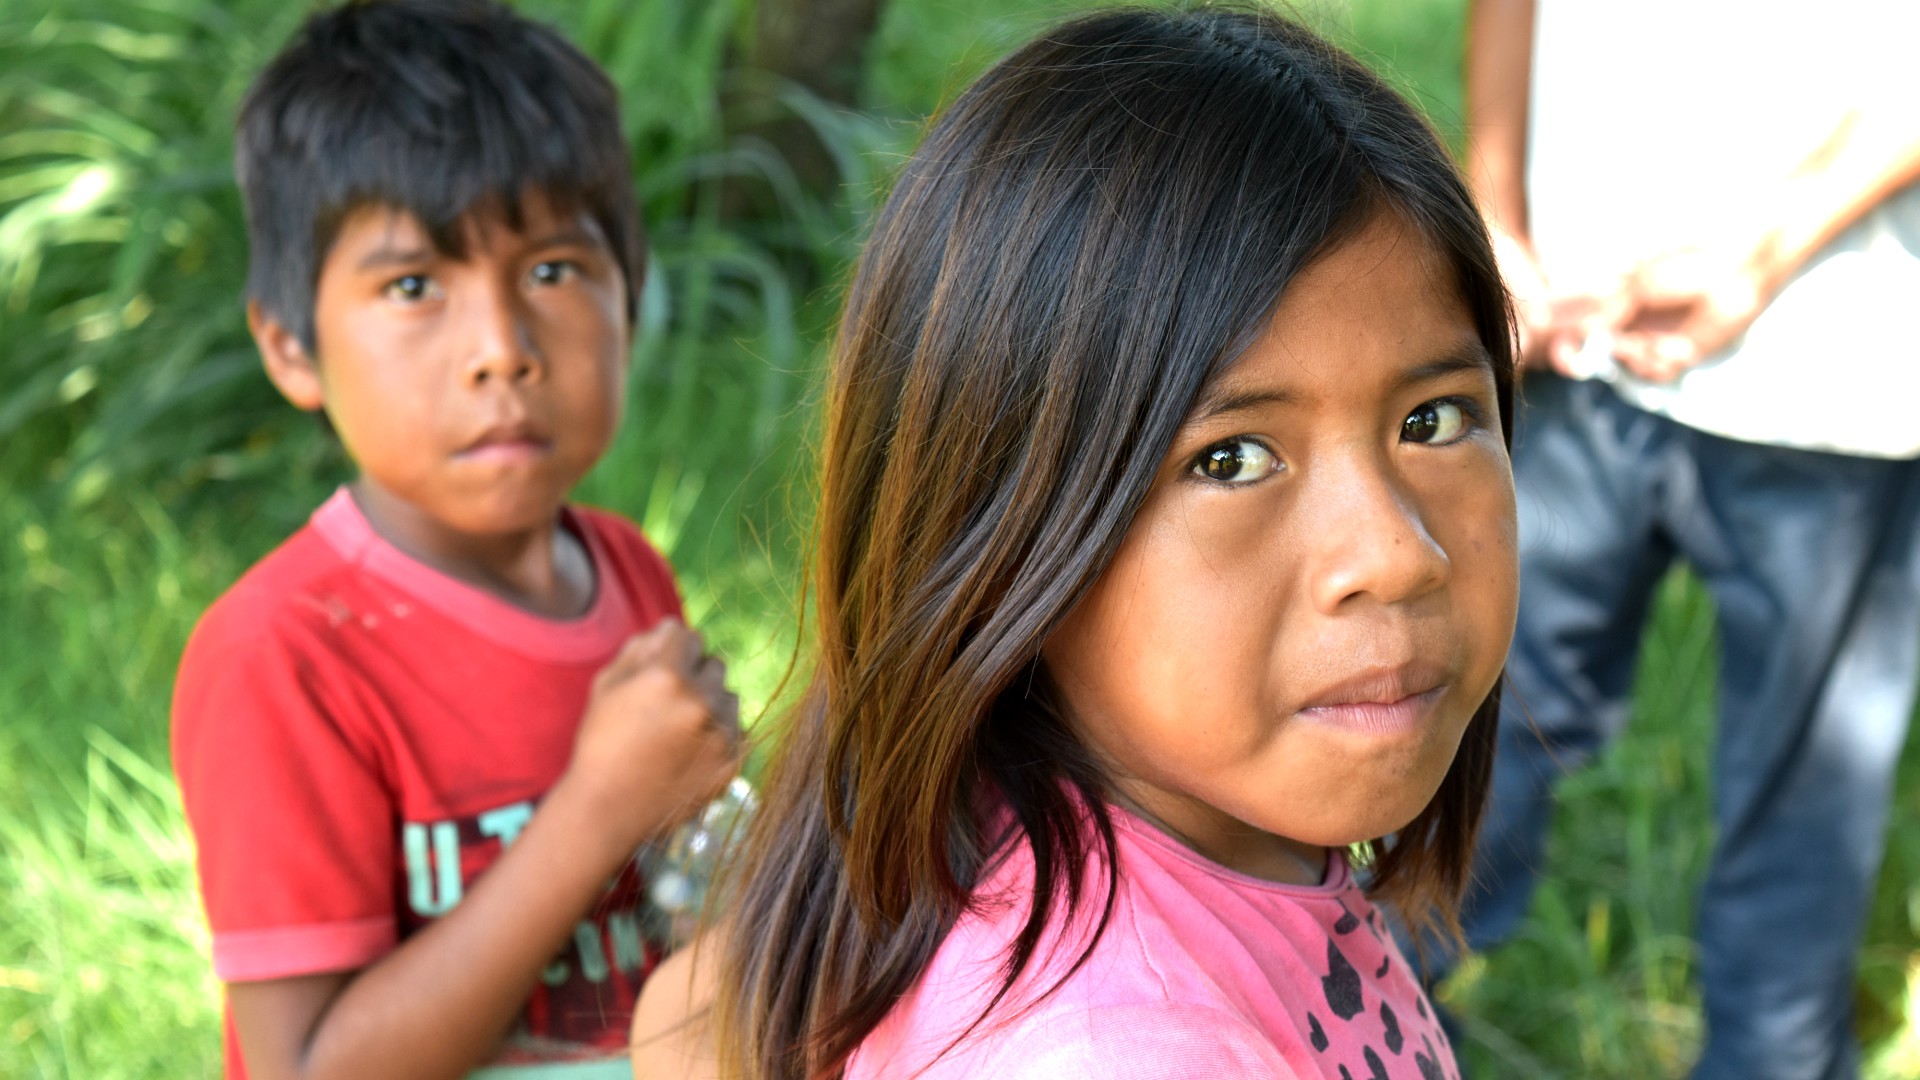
<point>410,288</point>
<point>1235,461</point>
<point>1436,422</point>
<point>553,272</point>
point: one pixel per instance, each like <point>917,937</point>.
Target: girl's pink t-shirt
<point>1202,972</point>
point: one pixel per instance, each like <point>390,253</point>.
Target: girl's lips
<point>1407,714</point>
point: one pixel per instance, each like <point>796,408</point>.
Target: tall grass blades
<point>103,969</point>
<point>106,970</point>
<point>121,250</point>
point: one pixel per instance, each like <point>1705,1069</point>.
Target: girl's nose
<point>1373,543</point>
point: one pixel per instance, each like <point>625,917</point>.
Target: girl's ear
<point>292,370</point>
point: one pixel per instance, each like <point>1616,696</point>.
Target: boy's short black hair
<point>434,107</point>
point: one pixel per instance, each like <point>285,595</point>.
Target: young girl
<point>1166,554</point>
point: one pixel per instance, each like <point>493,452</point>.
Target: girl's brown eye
<point>1236,461</point>
<point>1437,422</point>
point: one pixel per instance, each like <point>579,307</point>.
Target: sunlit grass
<point>103,970</point>
<point>106,947</point>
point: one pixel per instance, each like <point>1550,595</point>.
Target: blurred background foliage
<point>144,464</point>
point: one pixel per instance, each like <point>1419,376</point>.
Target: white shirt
<point>1655,121</point>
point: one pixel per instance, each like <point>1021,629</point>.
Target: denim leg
<point>1588,470</point>
<point>1809,559</point>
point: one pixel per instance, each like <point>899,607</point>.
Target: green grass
<point>1597,983</point>
<point>104,970</point>
<point>146,465</point>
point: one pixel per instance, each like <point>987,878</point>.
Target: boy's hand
<point>661,735</point>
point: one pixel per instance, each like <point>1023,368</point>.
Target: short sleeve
<point>293,824</point>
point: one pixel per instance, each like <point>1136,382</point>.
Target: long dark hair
<point>1092,232</point>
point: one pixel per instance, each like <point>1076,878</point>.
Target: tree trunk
<point>820,44</point>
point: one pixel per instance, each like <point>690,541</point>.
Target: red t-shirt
<point>358,736</point>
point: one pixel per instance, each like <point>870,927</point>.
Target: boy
<point>419,743</point>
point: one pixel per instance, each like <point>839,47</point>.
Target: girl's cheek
<point>1485,551</point>
<point>1498,549</point>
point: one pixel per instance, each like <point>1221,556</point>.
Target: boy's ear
<point>286,359</point>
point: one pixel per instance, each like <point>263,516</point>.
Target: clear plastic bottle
<point>680,869</point>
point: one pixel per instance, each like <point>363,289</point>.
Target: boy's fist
<point>661,735</point>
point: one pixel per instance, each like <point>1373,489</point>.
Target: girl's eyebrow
<point>1468,356</point>
<point>1221,400</point>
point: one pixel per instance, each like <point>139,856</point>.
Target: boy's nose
<point>1374,543</point>
<point>500,348</point>
<point>503,365</point>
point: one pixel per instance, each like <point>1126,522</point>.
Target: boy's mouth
<point>512,441</point>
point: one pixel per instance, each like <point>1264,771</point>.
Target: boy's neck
<point>544,569</point>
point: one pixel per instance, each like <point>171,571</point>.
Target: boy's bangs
<point>440,108</point>
<point>442,150</point>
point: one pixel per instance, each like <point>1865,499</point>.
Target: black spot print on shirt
<point>1315,1034</point>
<point>1344,1074</point>
<point>1381,971</point>
<point>1421,1005</point>
<point>1341,984</point>
<point>1428,1062</point>
<point>1392,1022</point>
<point>1348,922</point>
<point>1378,1067</point>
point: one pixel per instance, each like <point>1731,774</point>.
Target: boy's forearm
<point>439,1004</point>
<point>1499,73</point>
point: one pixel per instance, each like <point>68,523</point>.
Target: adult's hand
<point>1685,306</point>
<point>1551,327</point>
<point>1690,304</point>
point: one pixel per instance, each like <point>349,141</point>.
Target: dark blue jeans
<point>1810,560</point>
